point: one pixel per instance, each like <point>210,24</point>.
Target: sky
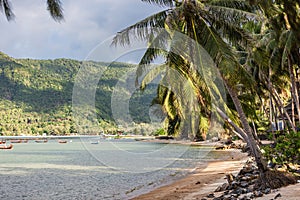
<point>87,23</point>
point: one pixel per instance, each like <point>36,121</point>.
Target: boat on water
<point>19,141</point>
<point>41,141</point>
<point>15,141</point>
<point>62,141</point>
<point>10,146</point>
<point>94,142</point>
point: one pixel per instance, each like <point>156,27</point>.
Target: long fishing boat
<point>10,146</point>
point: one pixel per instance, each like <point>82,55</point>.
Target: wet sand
<point>202,182</point>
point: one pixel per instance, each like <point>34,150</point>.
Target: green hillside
<point>36,95</point>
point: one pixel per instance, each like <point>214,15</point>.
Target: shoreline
<point>209,175</point>
<point>202,181</point>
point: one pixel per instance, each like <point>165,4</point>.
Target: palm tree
<point>208,14</point>
<point>54,7</point>
<point>217,27</point>
<point>280,42</point>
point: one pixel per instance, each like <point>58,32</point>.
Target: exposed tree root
<point>275,179</point>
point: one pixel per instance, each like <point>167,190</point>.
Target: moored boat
<point>41,141</point>
<point>94,142</point>
<point>15,141</point>
<point>62,141</point>
<point>10,146</point>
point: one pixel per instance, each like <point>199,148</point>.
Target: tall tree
<point>279,42</point>
<point>217,27</point>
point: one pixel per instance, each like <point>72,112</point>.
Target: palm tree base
<point>274,179</point>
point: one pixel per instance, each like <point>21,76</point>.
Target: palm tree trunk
<point>255,133</point>
<point>271,105</point>
<point>280,105</point>
<point>293,109</point>
<point>280,112</point>
<point>238,131</point>
<point>261,164</point>
<point>295,96</point>
<point>282,109</point>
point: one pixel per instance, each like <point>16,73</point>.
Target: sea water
<point>111,169</point>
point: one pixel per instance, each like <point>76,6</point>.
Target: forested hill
<point>36,95</point>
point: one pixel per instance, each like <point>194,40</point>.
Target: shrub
<point>285,150</point>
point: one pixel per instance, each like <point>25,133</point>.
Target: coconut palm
<point>217,27</point>
<point>53,6</point>
<point>209,21</point>
<point>280,43</point>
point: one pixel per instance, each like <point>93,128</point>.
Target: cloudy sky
<point>34,34</point>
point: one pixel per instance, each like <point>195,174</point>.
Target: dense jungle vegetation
<point>36,96</point>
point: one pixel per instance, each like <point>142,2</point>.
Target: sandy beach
<point>204,182</point>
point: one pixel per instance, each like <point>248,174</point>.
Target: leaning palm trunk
<point>281,107</point>
<point>251,142</point>
<point>279,104</point>
<point>268,178</point>
<point>295,97</point>
<point>238,131</point>
<point>282,111</point>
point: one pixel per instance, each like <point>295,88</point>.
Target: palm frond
<point>55,9</point>
<point>240,6</point>
<point>229,21</point>
<point>152,74</point>
<point>6,8</point>
<point>286,39</point>
<point>213,43</point>
<point>235,35</point>
<point>156,47</point>
<point>142,30</point>
<point>168,104</point>
<point>162,3</point>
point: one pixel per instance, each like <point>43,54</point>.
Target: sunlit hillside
<point>36,95</point>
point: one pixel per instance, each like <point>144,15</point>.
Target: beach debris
<point>258,194</point>
<point>267,191</point>
<point>229,144</point>
<point>211,195</point>
<point>222,187</point>
<point>229,178</point>
<point>277,196</point>
<point>164,137</point>
<point>242,186</point>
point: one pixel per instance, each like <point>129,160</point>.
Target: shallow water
<point>116,169</point>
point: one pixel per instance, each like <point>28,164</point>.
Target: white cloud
<point>34,34</point>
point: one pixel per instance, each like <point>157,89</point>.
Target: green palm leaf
<point>168,3</point>
<point>6,7</point>
<point>55,9</point>
<point>141,29</point>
